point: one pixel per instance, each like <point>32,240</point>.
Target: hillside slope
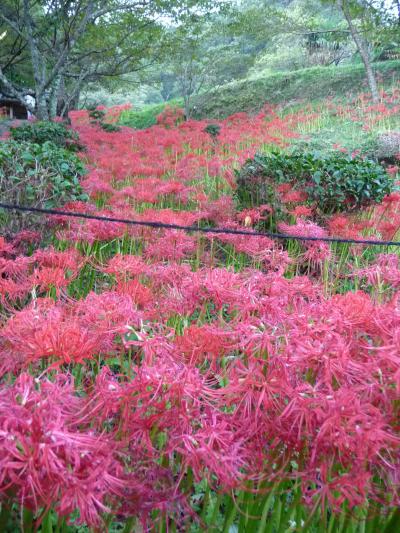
<point>308,84</point>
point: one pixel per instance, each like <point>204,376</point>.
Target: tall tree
<point>70,42</point>
<point>201,62</point>
<point>203,55</point>
<point>361,42</point>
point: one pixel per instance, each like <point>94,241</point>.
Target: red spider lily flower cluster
<point>170,117</point>
<point>182,364</point>
<point>53,456</point>
<point>278,375</point>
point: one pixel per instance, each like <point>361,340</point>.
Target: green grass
<point>311,85</point>
<point>305,85</point>
<point>146,116</point>
<point>326,128</point>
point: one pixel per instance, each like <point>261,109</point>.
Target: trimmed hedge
<point>332,181</point>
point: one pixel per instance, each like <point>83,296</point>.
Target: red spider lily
<point>123,266</point>
<point>5,247</point>
<point>141,295</point>
<point>63,334</point>
<point>301,211</point>
<point>213,450</point>
<point>392,170</point>
<point>205,344</point>
<point>47,277</point>
<point>317,252</point>
<point>255,214</point>
<point>173,246</point>
<point>47,460</point>
<point>45,331</point>
<point>385,269</point>
<point>237,375</point>
<point>293,197</point>
<point>26,236</point>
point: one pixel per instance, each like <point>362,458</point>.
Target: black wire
<point>229,231</point>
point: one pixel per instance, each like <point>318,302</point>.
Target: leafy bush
<point>334,181</point>
<point>106,126</point>
<point>213,130</point>
<point>97,114</point>
<point>141,120</point>
<point>38,175</point>
<point>46,131</point>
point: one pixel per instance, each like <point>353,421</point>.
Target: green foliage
<point>306,85</point>
<point>278,508</point>
<point>38,175</point>
<point>45,131</point>
<point>333,181</point>
<point>97,114</point>
<point>106,126</point>
<point>213,130</point>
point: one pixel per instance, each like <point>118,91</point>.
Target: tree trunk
<point>42,111</point>
<point>362,47</point>
<point>186,107</point>
<point>397,2</point>
<point>70,99</point>
<point>53,96</point>
<point>70,102</point>
<point>74,102</point>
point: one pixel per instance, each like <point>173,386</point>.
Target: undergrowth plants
<point>155,380</point>
<point>41,132</point>
<point>331,182</point>
<point>37,174</point>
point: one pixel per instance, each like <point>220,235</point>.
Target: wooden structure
<point>12,108</point>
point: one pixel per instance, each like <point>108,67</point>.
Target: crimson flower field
<point>157,380</point>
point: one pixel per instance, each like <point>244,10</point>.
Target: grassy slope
<point>311,84</point>
<point>307,84</point>
<point>146,116</point>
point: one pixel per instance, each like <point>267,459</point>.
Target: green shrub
<point>109,127</point>
<point>213,130</point>
<point>42,175</point>
<point>97,114</point>
<point>45,131</point>
<point>333,181</point>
